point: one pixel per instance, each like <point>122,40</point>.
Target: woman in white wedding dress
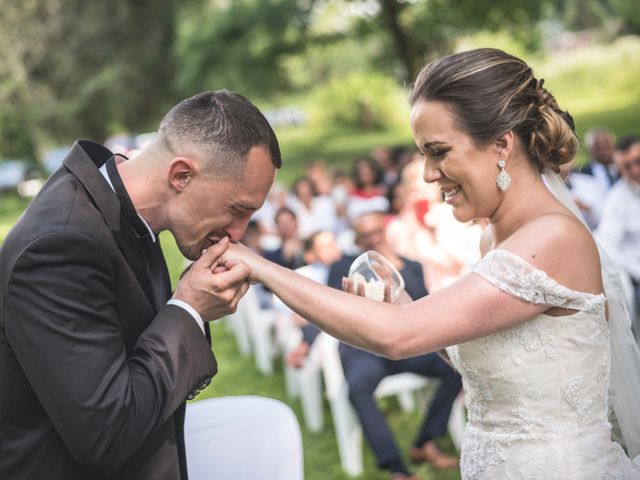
<point>529,329</point>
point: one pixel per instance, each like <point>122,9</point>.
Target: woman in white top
<point>528,326</point>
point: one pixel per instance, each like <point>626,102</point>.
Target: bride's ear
<point>504,144</point>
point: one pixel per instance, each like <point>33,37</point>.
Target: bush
<point>361,101</point>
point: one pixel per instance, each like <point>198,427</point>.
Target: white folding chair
<point>260,324</point>
<point>245,438</point>
<point>238,326</point>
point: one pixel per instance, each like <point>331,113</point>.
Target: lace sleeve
<point>513,275</point>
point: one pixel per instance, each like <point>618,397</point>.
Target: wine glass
<point>374,271</point>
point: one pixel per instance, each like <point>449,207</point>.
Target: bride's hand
<point>347,286</point>
<point>402,298</point>
<point>238,252</point>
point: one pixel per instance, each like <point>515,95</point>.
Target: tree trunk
<point>405,46</point>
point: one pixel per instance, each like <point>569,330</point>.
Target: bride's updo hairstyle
<point>491,92</point>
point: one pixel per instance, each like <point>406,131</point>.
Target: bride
<point>537,330</point>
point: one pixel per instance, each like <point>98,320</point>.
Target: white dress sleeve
<point>513,275</point>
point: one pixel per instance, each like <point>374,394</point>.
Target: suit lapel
<point>132,250</point>
<point>154,262</point>
<point>83,161</point>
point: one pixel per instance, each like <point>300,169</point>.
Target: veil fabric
<point>624,393</point>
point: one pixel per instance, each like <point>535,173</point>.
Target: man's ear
<point>504,144</point>
<point>181,172</point>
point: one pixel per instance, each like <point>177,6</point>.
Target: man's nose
<point>236,230</point>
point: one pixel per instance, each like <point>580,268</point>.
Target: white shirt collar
<point>103,171</point>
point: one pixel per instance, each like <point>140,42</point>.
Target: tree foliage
<point>240,44</point>
<point>71,68</point>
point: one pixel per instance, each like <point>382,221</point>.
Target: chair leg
<point>348,435</point>
<point>241,333</point>
<point>290,381</point>
<point>262,343</point>
<point>406,400</point>
<point>457,421</point>
<point>310,390</point>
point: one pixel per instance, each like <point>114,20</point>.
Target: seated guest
<point>619,229</point>
<point>367,179</point>
<point>320,252</point>
<point>586,191</point>
<point>601,170</point>
<point>364,370</point>
<point>265,217</point>
<point>600,145</point>
<point>315,212</point>
<point>251,239</point>
<point>290,252</point>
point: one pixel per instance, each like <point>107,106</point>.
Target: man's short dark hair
<point>221,127</point>
<point>626,142</point>
<point>308,243</point>
<point>284,211</point>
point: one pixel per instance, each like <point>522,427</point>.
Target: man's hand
<point>298,355</point>
<point>212,288</point>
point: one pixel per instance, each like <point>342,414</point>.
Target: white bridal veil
<point>625,354</point>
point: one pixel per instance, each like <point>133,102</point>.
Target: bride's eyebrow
<point>432,145</point>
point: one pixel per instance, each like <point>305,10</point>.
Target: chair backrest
<point>334,379</point>
<point>331,365</point>
<point>243,437</point>
<point>249,304</point>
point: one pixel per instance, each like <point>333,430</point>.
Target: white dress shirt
<point>619,229</point>
<point>172,301</point>
<point>602,175</point>
<point>589,192</point>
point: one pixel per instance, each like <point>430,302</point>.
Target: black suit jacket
<point>93,374</point>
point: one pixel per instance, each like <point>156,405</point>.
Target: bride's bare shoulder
<point>560,245</point>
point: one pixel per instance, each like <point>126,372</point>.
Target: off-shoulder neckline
<point>517,257</point>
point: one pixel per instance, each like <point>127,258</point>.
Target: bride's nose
<point>431,172</point>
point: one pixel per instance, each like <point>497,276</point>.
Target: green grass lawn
<point>238,376</point>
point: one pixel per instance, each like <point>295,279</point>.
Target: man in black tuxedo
<point>97,356</point>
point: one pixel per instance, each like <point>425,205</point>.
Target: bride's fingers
<point>387,293</point>
<point>347,285</point>
<point>360,290</point>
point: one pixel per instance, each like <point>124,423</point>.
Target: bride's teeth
<point>451,193</point>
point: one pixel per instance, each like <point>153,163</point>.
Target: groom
<point>97,356</point>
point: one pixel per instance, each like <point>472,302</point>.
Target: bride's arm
<point>469,309</point>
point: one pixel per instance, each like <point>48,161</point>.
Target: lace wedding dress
<point>537,394</point>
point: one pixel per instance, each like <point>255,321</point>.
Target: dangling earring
<point>503,180</point>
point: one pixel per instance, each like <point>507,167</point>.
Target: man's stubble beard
<point>190,252</point>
